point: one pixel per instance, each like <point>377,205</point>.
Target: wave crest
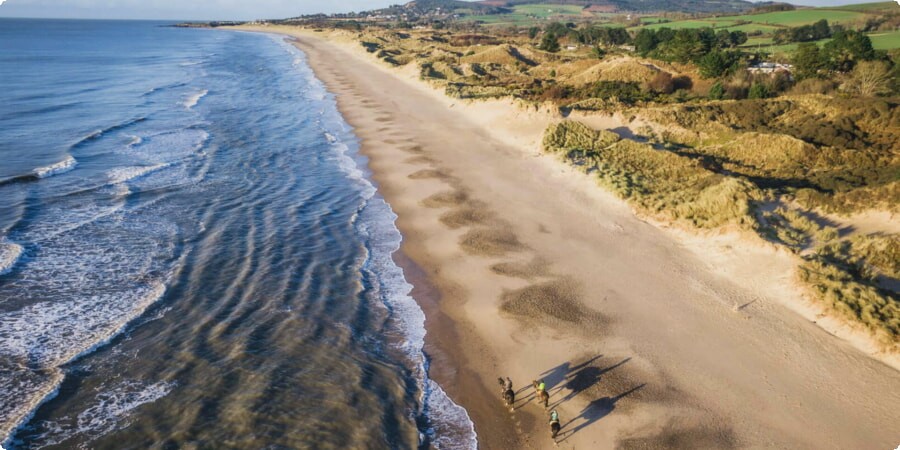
<point>63,166</point>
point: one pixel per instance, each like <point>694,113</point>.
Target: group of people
<point>540,388</point>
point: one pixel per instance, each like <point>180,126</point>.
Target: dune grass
<point>843,274</point>
<point>656,181</point>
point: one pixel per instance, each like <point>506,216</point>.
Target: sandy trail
<point>647,339</point>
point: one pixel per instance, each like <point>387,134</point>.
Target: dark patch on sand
<point>490,242</point>
<point>413,149</point>
<point>683,437</point>
<point>472,213</point>
<point>446,199</point>
<point>428,173</point>
<point>419,160</point>
<point>537,267</point>
<point>557,300</point>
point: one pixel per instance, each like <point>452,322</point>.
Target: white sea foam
<point>123,174</point>
<point>135,141</point>
<point>9,254</point>
<point>194,99</point>
<point>49,334</point>
<point>449,424</point>
<point>111,410</point>
<point>63,166</point>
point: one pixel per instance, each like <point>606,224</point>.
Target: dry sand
<point>646,337</point>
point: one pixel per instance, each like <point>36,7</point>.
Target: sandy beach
<point>646,337</point>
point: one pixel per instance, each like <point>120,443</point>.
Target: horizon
<point>172,10</point>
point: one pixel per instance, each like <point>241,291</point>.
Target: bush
<point>869,78</point>
<point>549,43</point>
<point>758,90</point>
<point>662,83</point>
<point>717,91</point>
<point>736,91</point>
<point>813,86</point>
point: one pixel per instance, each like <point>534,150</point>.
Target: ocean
<point>192,253</point>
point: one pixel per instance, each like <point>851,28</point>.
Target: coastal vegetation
<point>718,130</point>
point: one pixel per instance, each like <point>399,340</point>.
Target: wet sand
<point>646,338</point>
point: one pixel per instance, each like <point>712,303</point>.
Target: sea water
<point>192,253</point>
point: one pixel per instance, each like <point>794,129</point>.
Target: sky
<point>216,9</point>
<point>183,9</point>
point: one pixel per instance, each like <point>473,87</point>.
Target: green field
<point>881,41</point>
<point>885,41</point>
<point>753,27</point>
<point>755,42</point>
<point>869,7</point>
<point>761,24</point>
<point>765,23</point>
<point>711,23</point>
<point>524,15</point>
<point>800,17</point>
<point>545,11</point>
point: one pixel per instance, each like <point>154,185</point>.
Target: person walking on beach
<point>507,392</point>
<point>541,392</point>
<point>554,424</point>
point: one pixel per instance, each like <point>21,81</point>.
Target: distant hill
<point>685,6</point>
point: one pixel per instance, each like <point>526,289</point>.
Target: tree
<point>781,36</point>
<point>723,39</point>
<point>716,64</point>
<point>645,41</point>
<point>687,45</point>
<point>738,38</point>
<point>717,91</point>
<point>846,48</point>
<point>808,61</point>
<point>869,78</point>
<point>533,32</point>
<point>549,43</point>
<point>598,52</point>
<point>614,36</point>
<point>758,90</point>
<point>556,28</point>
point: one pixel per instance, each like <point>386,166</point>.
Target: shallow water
<point>192,255</point>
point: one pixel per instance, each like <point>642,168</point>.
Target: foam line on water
<point>109,411</point>
<point>192,101</point>
<point>449,425</point>
<point>38,335</point>
<point>123,174</point>
<point>63,166</point>
<point>101,132</point>
<point>10,253</point>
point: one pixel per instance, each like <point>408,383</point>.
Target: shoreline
<point>605,355</point>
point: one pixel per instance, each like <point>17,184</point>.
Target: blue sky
<point>211,9</point>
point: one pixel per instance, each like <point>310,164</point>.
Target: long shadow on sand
<point>583,377</point>
<point>593,412</point>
